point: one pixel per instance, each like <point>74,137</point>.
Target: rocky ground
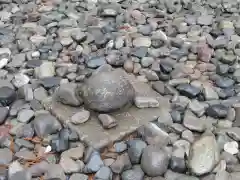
<point>187,50</point>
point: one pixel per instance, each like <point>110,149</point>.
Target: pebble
<point>45,124</point>
<point>75,153</point>
<point>69,165</point>
<point>46,69</point>
<point>142,42</point>
<point>217,111</point>
<point>135,173</point>
<point>25,115</point>
<point>146,102</point>
<point>231,147</point>
<point>104,173</point>
<point>80,117</point>
<point>20,80</point>
<point>107,121</point>
<point>154,161</point>
<point>3,114</point>
<point>67,94</point>
<point>7,95</point>
<point>188,90</point>
<point>135,149</point>
<point>94,164</point>
<point>5,156</point>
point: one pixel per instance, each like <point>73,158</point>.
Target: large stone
<point>204,155</point>
<point>107,91</point>
<point>154,161</point>
<point>128,118</point>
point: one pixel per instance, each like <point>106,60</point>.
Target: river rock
<point>204,155</point>
<point>154,161</point>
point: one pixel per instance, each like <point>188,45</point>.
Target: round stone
<point>107,91</point>
<point>154,161</point>
<point>231,147</point>
<point>7,95</point>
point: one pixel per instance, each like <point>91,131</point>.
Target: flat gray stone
<point>129,119</point>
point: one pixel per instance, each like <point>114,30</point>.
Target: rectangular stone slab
<point>129,119</point>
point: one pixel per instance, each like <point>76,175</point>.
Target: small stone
<point>50,82</point>
<point>121,164</point>
<point>75,153</point>
<point>80,117</point>
<point>104,173</point>
<point>128,66</point>
<point>224,82</point>
<point>79,36</point>
<point>205,20</point>
<point>45,124</point>
<point>25,155</point>
<point>147,61</point>
<point>142,42</point>
<point>3,62</point>
<point>109,13</point>
<point>146,102</point>
<point>25,115</point>
<point>6,156</point>
<point>67,94</point>
<point>188,90</point>
<point>231,147</point>
<point>94,164</point>
<point>55,171</point>
<point>135,149</point>
<point>120,147</point>
<point>66,41</point>
<point>136,173</point>
<point>217,111</point>
<point>21,175</point>
<point>69,165</point>
<point>14,167</point>
<point>38,169</point>
<point>204,155</point>
<point>3,114</point>
<point>197,108</point>
<point>107,121</point>
<point>154,161</point>
<point>191,122</point>
<point>209,93</point>
<point>77,176</point>
<point>96,62</point>
<point>204,53</point>
<point>188,135</point>
<point>46,69</point>
<point>7,95</point>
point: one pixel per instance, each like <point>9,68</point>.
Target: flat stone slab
<point>129,119</point>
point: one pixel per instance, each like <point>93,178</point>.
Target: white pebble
<point>48,149</point>
<point>3,62</point>
<point>231,147</point>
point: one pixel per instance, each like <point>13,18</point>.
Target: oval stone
<point>107,91</point>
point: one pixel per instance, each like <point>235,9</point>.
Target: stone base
<point>129,119</point>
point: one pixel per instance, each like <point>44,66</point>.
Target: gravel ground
<point>187,50</point>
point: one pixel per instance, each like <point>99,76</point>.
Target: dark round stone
<point>107,91</point>
<point>7,95</point>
